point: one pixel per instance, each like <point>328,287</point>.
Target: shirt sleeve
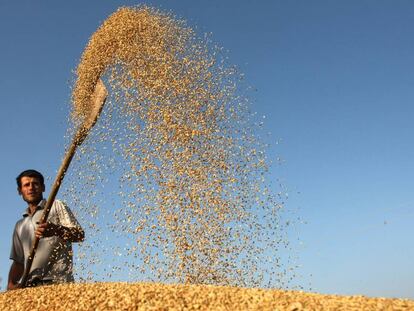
<point>16,252</point>
<point>65,215</point>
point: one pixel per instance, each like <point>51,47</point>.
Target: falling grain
<point>177,139</point>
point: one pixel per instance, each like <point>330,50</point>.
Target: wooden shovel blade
<point>98,98</point>
<point>97,102</point>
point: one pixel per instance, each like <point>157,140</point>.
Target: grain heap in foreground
<point>153,296</point>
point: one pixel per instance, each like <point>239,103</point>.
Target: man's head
<point>31,185</point>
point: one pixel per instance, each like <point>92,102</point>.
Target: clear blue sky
<point>334,80</point>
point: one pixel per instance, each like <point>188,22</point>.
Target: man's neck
<point>33,207</point>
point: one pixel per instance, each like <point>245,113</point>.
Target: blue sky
<point>334,80</point>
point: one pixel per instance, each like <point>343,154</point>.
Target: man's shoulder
<point>60,207</point>
<point>19,223</point>
<point>59,203</point>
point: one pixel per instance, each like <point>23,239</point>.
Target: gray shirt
<point>53,258</point>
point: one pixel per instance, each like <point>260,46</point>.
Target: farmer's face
<point>31,190</point>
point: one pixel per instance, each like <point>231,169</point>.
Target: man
<point>53,260</point>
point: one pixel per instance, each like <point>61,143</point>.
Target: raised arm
<point>73,234</point>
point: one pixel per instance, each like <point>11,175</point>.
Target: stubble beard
<point>33,200</point>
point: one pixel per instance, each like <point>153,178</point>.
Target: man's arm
<point>15,274</point>
<point>48,229</point>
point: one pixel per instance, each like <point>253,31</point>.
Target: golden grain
<point>152,296</point>
<point>178,141</point>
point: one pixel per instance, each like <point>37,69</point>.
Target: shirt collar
<point>40,206</point>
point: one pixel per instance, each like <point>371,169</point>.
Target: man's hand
<point>12,286</point>
<point>47,229</point>
<point>15,274</point>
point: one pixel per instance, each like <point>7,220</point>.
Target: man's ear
<point>43,188</point>
<point>19,191</point>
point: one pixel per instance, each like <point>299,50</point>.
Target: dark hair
<point>29,173</point>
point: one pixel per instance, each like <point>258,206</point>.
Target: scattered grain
<point>179,143</point>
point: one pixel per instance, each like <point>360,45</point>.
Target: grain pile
<point>179,145</point>
<point>151,296</point>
